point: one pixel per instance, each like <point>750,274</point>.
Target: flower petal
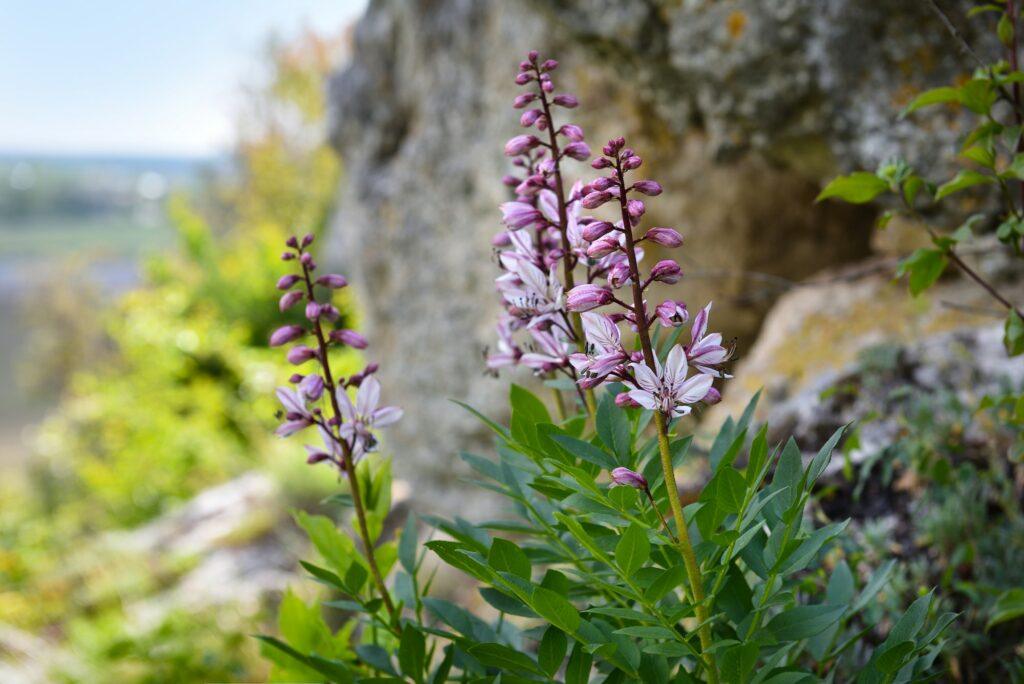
<point>388,415</point>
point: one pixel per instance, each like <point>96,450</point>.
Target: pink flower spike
<point>624,477</point>
<point>666,237</point>
<point>587,297</point>
<point>286,334</point>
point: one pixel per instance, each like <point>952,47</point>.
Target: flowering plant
<point>600,569</point>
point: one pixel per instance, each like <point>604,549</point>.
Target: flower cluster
<point>614,252</point>
<point>346,428</point>
<point>542,232</point>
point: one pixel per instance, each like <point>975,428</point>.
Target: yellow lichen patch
<point>736,24</point>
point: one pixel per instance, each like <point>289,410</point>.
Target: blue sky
<point>138,76</point>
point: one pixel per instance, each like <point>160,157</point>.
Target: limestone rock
<point>740,109</point>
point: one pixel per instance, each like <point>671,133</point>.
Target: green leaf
<point>840,588</point>
<point>738,662</point>
<point>878,580</point>
<point>505,556</point>
<point>552,649</point>
<point>577,671</point>
<point>504,658</point>
<point>892,659</point>
<point>934,96</point>
<point>1009,606</point>
<point>669,579</point>
<point>613,428</point>
<point>727,490</point>
<point>377,657</point>
<point>585,451</point>
<point>647,632</point>
<point>802,622</point>
<point>335,670</point>
<point>555,609</point>
<point>858,188</point>
<point>506,604</point>
<point>336,548</point>
<point>633,549</point>
<point>965,178</point>
<point>1013,334</point>
<point>407,544</point>
<point>924,267</point>
<point>910,623</point>
<point>412,651</point>
<point>978,95</point>
<point>498,429</point>
<point>524,401</point>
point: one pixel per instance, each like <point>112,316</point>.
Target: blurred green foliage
<point>181,400</point>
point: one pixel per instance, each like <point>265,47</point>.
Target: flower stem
<point>348,461</point>
<point>671,489</point>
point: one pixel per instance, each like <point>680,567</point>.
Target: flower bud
<point>502,239</point>
<point>292,242</point>
<point>623,400</point>
<point>635,208</point>
<point>712,397</point>
<point>524,99</point>
<point>624,477</point>
<point>518,215</point>
<point>633,162</point>
<point>579,151</point>
<point>648,187</point>
<point>666,237</point>
<point>596,199</point>
<point>316,456</point>
<point>595,230</point>
<point>572,132</point>
<point>546,85</point>
<point>672,314</point>
<point>566,100</point>
<point>295,378</point>
<point>587,297</point>
<point>312,386</point>
<point>300,354</point>
<point>287,281</point>
<point>666,271</point>
<point>523,79</point>
<point>549,65</point>
<point>529,118</point>
<point>312,311</point>
<point>289,299</point>
<point>603,247</point>
<point>349,338</point>
<point>287,256</point>
<point>600,163</point>
<point>619,275</point>
<point>286,334</point>
<point>520,144</point>
<point>532,55</point>
<point>307,260</point>
<point>330,312</point>
<point>307,239</point>
<point>332,280</point>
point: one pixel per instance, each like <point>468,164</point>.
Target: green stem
<point>686,547</point>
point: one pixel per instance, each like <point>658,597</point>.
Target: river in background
<point>75,221</point>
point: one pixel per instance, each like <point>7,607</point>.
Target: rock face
<point>740,109</point>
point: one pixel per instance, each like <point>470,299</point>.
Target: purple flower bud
<point>666,271</point>
<point>349,338</point>
<point>371,368</point>
<point>542,123</point>
<point>596,199</point>
<point>330,312</point>
<point>332,280</point>
<point>502,239</point>
<point>600,163</point>
<point>587,297</point>
<point>524,99</point>
<point>523,79</point>
<point>712,397</point>
<point>648,187</point>
<point>666,237</point>
<point>572,132</point>
<point>520,144</point>
<point>292,242</point>
<point>312,311</point>
<point>510,181</point>
<point>307,259</point>
<point>566,100</point>
<point>295,378</point>
<point>619,275</point>
<point>532,55</point>
<point>603,246</point>
<point>524,66</point>
<point>579,151</point>
<point>549,65</point>
<point>286,334</point>
<point>633,162</point>
<point>624,477</point>
<point>546,85</point>
<point>307,239</point>
<point>623,400</point>
<point>287,256</point>
<point>529,118</point>
<point>312,386</point>
<point>316,457</point>
<point>517,215</point>
<point>287,281</point>
<point>635,208</point>
<point>300,354</point>
<point>290,299</point>
<point>595,230</point>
